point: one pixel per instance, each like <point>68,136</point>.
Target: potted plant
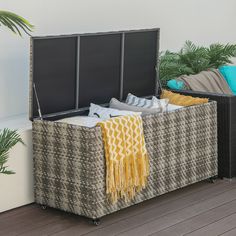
<point>192,59</point>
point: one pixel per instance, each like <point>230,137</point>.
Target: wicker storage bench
<point>69,162</point>
<point>226,115</point>
<point>67,74</point>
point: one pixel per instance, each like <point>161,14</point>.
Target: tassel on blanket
<point>127,165</point>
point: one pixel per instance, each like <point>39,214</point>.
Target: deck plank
<point>159,212</point>
<point>195,208</point>
<point>175,217</point>
<point>231,232</point>
<point>28,222</point>
<point>16,212</point>
<point>199,221</point>
<point>217,227</point>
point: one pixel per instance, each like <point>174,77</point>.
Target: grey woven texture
<point>69,162</point>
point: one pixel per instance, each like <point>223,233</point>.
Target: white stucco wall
<point>201,21</point>
<point>17,190</point>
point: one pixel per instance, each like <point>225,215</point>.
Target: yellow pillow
<point>182,100</point>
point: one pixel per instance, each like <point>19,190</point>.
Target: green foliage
<point>192,59</point>
<point>8,139</point>
<point>15,23</point>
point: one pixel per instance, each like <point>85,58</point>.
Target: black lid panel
<point>99,68</point>
<point>54,74</point>
<point>70,72</point>
<point>140,58</point>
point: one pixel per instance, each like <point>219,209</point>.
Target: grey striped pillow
<point>139,102</point>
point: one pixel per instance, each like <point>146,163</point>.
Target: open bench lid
<point>69,72</point>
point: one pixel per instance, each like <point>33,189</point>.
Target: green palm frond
<point>8,139</point>
<point>192,59</point>
<point>172,67</point>
<point>220,54</point>
<point>15,23</point>
<point>189,47</point>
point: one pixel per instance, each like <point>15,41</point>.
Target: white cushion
<point>165,105</point>
<point>172,107</point>
<point>107,113</point>
<point>81,121</point>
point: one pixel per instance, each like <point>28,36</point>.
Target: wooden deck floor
<point>200,209</point>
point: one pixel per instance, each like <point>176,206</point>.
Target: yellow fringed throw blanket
<point>127,165</point>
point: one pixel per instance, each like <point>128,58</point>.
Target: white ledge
<point>19,122</point>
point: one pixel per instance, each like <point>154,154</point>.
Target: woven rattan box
<point>226,117</point>
<point>69,72</point>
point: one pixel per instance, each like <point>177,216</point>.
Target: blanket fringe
<point>127,168</point>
